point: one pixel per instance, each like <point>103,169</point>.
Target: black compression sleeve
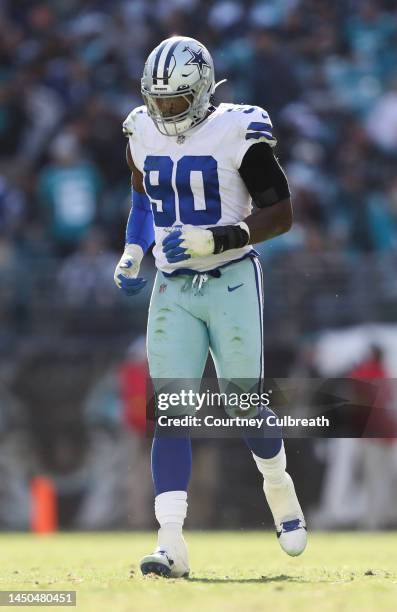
<point>228,237</point>
<point>263,176</point>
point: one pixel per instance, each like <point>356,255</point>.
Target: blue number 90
<point>158,185</point>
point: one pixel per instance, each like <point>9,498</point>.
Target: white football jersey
<point>194,179</point>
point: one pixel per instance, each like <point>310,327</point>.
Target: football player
<point>197,170</point>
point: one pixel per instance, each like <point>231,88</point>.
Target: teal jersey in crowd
<point>70,196</point>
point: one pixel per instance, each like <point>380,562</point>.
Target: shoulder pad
<point>255,123</point>
<point>129,124</point>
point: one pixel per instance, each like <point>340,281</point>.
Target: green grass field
<point>231,571</point>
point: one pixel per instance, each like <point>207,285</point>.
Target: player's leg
<point>177,351</point>
<point>236,341</point>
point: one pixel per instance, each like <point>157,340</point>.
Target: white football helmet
<point>178,67</point>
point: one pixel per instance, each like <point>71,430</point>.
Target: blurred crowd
<point>70,72</point>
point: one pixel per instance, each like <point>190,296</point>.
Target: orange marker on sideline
<point>44,516</point>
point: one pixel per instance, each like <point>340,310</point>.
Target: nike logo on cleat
<point>234,288</point>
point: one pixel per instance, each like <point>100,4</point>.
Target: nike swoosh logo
<point>234,288</point>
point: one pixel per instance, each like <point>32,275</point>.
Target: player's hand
<point>187,242</point>
<point>127,270</point>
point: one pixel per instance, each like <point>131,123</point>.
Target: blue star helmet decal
<point>196,59</point>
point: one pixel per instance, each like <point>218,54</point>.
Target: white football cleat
<point>288,516</point>
<point>170,559</point>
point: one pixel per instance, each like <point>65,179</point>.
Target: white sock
<point>273,470</point>
<point>279,488</point>
<point>170,509</point>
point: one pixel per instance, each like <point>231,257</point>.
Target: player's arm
<point>136,175</point>
<point>268,187</point>
<point>139,234</point>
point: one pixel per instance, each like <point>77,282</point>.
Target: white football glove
<point>188,241</point>
<point>127,270</point>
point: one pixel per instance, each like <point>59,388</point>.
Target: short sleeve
<point>130,123</point>
<point>254,126</point>
<point>132,129</point>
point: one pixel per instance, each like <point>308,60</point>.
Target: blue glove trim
<point>172,236</point>
<point>131,286</point>
<point>172,249</point>
<point>140,224</point>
